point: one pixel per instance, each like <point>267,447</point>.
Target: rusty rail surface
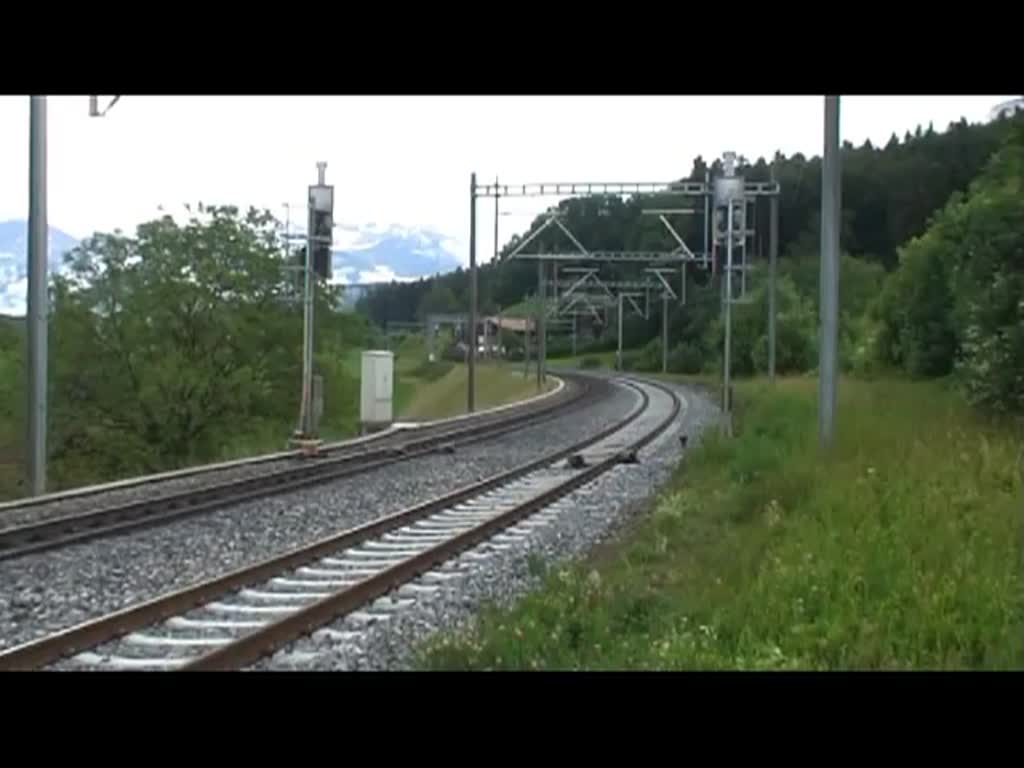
<point>90,634</point>
<point>266,640</point>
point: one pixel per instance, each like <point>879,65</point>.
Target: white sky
<point>406,160</point>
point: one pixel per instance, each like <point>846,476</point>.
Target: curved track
<point>62,530</point>
<point>232,621</point>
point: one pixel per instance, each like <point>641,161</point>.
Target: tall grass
<point>898,549</point>
<point>438,398</point>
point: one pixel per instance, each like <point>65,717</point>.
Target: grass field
<point>902,549</point>
<point>607,360</point>
<point>446,396</point>
<point>422,392</point>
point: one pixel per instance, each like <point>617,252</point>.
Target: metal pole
<point>471,382</point>
<point>486,345</point>
<point>292,285</point>
<point>541,325</point>
<point>707,213</point>
<point>830,208</point>
<point>37,311</point>
<point>287,226</point>
<point>526,347</point>
<point>574,335</point>
<point>496,214</point>
<point>664,333</point>
<point>619,361</point>
<point>306,420</point>
<point>743,251</point>
<point>773,254</point>
<point>495,261</point>
<point>544,324</point>
<point>726,404</point>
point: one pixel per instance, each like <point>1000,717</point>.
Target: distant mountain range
<point>375,254</point>
<point>13,265</point>
<point>367,254</point>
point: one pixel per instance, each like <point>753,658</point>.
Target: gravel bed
<point>586,518</point>
<point>52,590</point>
<point>192,482</point>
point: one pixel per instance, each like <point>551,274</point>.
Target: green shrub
<point>649,358</point>
<point>956,303</point>
<point>794,351</point>
<point>685,358</point>
<point>432,371</point>
<point>899,550</point>
<point>631,361</point>
<point>559,346</point>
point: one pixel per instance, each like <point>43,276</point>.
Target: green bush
<point>795,329</point>
<point>631,361</point>
<point>794,350</point>
<point>956,302</point>
<point>559,346</point>
<point>900,550</point>
<point>455,353</point>
<point>649,358</point>
<point>432,371</point>
<point>685,358</point>
<point>916,311</point>
<point>606,343</point>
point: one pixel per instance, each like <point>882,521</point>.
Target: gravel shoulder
<point>53,590</point>
<point>136,489</point>
<point>579,522</point>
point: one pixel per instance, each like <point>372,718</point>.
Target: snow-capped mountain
<point>13,264</point>
<point>375,254</point>
<point>364,254</point>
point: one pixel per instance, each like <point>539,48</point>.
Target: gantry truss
<point>681,254</point>
<point>558,189</point>
<point>729,192</point>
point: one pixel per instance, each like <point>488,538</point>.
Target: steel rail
<point>29,538</point>
<point>266,640</point>
<point>396,431</point>
<point>39,653</point>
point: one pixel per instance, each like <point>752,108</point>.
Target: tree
<point>440,299</point>
<point>957,301</point>
<point>889,198</point>
<point>172,343</point>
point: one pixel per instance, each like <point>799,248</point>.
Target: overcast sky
<point>406,160</point>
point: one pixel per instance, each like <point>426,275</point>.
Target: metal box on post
<point>377,389</point>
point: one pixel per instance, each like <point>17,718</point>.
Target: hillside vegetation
<point>901,550</point>
<point>177,346</point>
<point>888,194</point>
<point>930,274</point>
<point>898,548</point>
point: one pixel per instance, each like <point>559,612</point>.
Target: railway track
<point>395,434</point>
<point>40,535</point>
<point>234,620</point>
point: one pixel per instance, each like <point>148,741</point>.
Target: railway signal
<point>321,211</point>
<point>317,262</point>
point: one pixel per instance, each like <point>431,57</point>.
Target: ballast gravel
<point>45,592</point>
<point>584,519</point>
<point>200,478</point>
